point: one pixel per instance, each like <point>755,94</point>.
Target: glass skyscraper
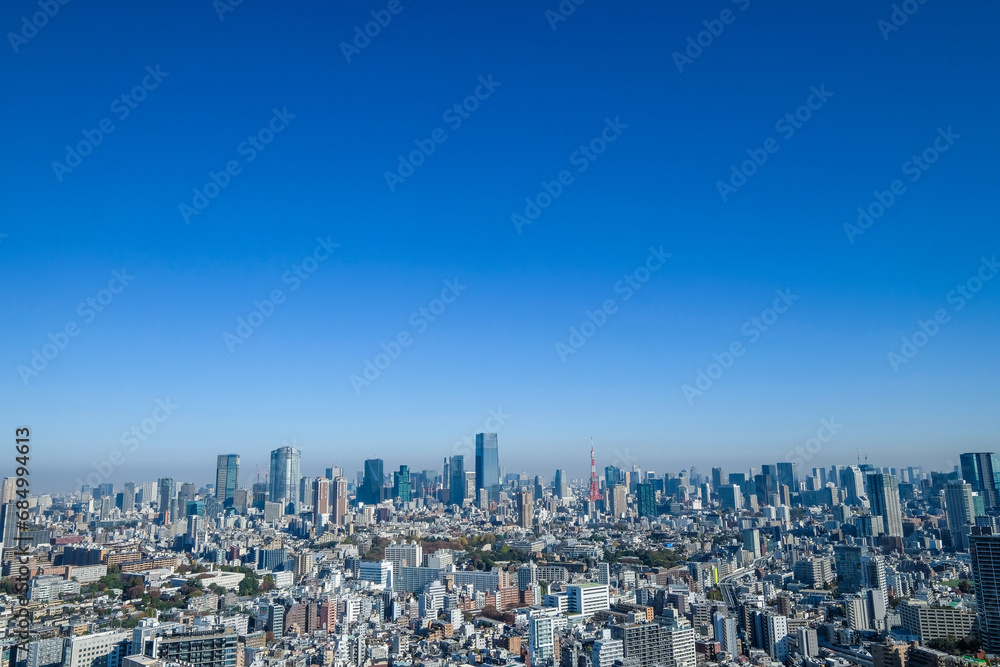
<point>646,499</point>
<point>457,485</point>
<point>284,483</point>
<point>560,487</point>
<point>371,484</point>
<point>227,478</point>
<point>488,465</point>
<point>402,487</point>
<point>982,471</point>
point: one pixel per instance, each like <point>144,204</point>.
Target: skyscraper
<point>321,498</point>
<point>618,500</point>
<point>338,490</point>
<point>457,483</point>
<point>227,478</point>
<point>8,525</point>
<point>847,562</point>
<point>285,473</point>
<point>730,497</point>
<point>789,476</point>
<point>488,465</point>
<point>401,487</point>
<point>883,493</point>
<point>985,548</point>
<point>646,499</point>
<point>168,492</point>
<point>852,482</point>
<point>560,486</point>
<point>961,512</point>
<point>371,486</point>
<point>525,507</point>
<point>982,471</point>
<point>128,497</point>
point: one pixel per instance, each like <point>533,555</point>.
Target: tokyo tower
<point>595,489</point>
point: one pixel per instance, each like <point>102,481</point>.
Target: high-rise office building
<point>730,497</point>
<point>168,494</point>
<point>982,471</point>
<point>985,549</point>
<point>8,525</point>
<point>371,486</point>
<point>227,478</point>
<point>128,497</point>
<point>401,487</point>
<point>646,499</point>
<point>751,542</point>
<point>338,500</point>
<point>560,486</point>
<point>488,465</point>
<point>150,493</point>
<point>525,508</point>
<point>853,484</point>
<point>847,562</point>
<point>8,493</point>
<point>321,498</point>
<point>617,500</point>
<point>612,476</point>
<point>457,484</point>
<point>286,464</point>
<point>789,476</point>
<point>961,512</point>
<point>883,494</point>
<point>718,479</point>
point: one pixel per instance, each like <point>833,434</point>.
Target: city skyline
<point>374,477</point>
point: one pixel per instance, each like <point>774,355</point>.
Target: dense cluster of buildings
<point>847,565</point>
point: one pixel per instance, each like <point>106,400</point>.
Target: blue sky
<point>494,346</point>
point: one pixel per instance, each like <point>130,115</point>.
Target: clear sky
<point>634,130</point>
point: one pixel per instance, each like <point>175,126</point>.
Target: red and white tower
<point>595,488</point>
